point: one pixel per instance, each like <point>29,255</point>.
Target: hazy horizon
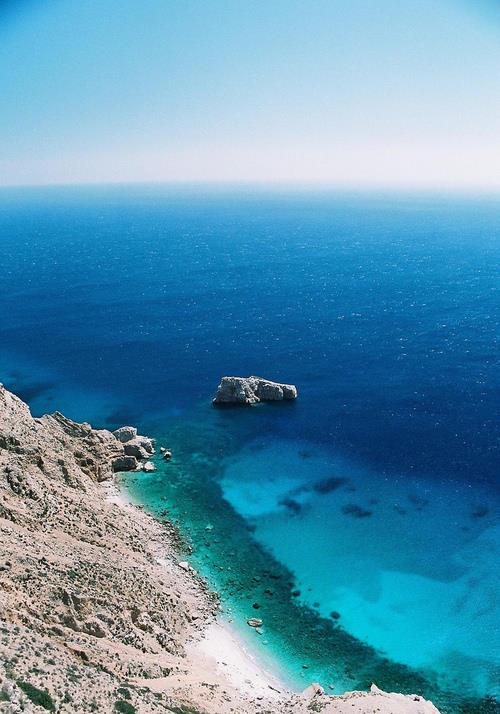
<point>329,93</point>
<point>271,187</point>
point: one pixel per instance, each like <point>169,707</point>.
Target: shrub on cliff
<point>38,696</point>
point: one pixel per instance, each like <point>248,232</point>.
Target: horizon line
<point>368,187</point>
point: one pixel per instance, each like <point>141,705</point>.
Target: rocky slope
<point>96,615</point>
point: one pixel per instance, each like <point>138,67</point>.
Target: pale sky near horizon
<point>346,92</point>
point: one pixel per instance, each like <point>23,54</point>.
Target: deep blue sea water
<point>374,496</point>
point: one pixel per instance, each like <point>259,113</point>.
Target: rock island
<point>251,390</point>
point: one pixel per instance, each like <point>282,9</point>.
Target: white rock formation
<point>251,390</point>
<point>125,433</point>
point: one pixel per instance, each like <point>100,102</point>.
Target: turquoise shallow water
<point>375,495</point>
<point>406,569</point>
<point>411,570</point>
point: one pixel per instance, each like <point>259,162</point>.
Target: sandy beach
<point>218,656</point>
<point>220,653</point>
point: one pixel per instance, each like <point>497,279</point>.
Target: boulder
<point>141,447</point>
<point>251,390</point>
<point>125,433</point>
<point>146,443</point>
<point>135,450</point>
<point>312,691</point>
<point>125,463</point>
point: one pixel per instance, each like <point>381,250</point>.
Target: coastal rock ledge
<point>251,390</point>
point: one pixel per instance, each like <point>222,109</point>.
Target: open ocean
<point>362,519</point>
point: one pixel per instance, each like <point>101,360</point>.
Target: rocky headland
<point>97,614</point>
<point>252,390</point>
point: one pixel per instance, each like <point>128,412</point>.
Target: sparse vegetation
<point>40,697</point>
<point>124,692</point>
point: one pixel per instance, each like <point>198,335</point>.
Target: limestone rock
<point>74,565</point>
<point>251,390</point>
<point>148,467</point>
<point>134,444</point>
<point>312,691</point>
<point>125,463</point>
<point>146,443</point>
<point>133,448</point>
<point>125,433</point>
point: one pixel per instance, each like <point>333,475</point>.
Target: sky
<point>345,92</point>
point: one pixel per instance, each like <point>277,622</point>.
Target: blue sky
<point>349,92</point>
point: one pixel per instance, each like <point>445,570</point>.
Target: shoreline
<point>219,655</point>
<point>221,649</point>
<point>98,613</point>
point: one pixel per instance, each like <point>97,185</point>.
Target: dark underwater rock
<point>352,509</point>
<point>480,512</point>
<point>329,484</point>
<point>291,504</point>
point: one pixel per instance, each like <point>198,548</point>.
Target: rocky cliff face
<point>95,611</point>
<point>84,604</point>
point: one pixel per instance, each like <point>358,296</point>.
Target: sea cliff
<point>96,612</point>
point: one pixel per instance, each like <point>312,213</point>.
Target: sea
<point>359,522</point>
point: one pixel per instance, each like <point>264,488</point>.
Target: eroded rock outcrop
<point>251,390</point>
<point>84,602</point>
<point>135,448</point>
<point>125,433</point>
